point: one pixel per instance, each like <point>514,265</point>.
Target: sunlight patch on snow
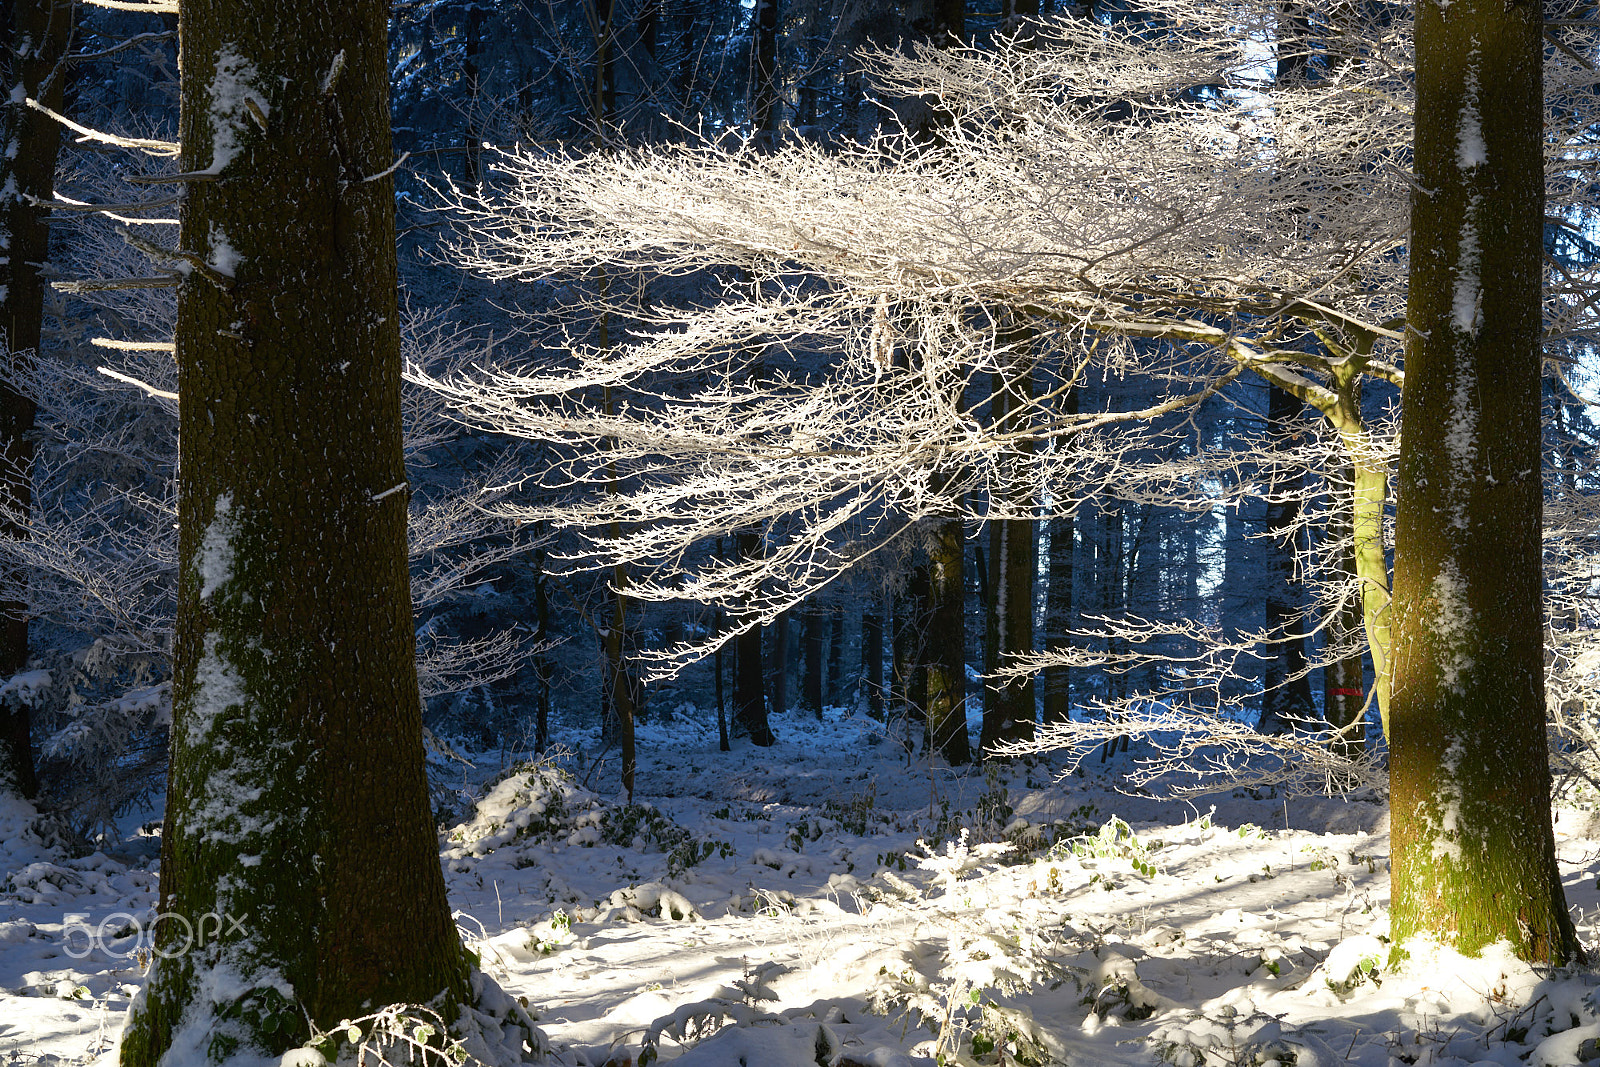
<point>1176,939</point>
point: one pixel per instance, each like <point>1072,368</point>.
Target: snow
<point>215,563</point>
<point>224,259</point>
<point>1466,306</point>
<point>834,896</point>
<point>1452,621</point>
<point>218,687</point>
<point>235,83</point>
<point>25,688</point>
<point>1470,149</point>
<point>1461,433</point>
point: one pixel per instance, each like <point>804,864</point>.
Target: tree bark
<point>945,662</point>
<point>1008,710</point>
<point>297,801</point>
<point>780,665</point>
<point>1474,858</point>
<point>1286,691</point>
<point>833,686</point>
<point>471,136</point>
<point>764,111</point>
<point>27,183</point>
<point>1058,613</point>
<point>811,643</point>
<point>541,657</point>
<point>749,700</point>
<point>621,689</point>
<point>1344,694</point>
<point>907,686</point>
<point>872,661</point>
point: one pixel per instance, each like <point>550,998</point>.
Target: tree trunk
<point>833,689</point>
<point>1058,618</point>
<point>764,110</point>
<point>945,661</point>
<point>811,658</point>
<point>471,136</point>
<point>1286,691</point>
<point>298,841</point>
<point>27,182</point>
<point>541,657</point>
<point>872,661</point>
<point>603,108</point>
<point>1058,614</point>
<point>907,651</point>
<point>1344,693</point>
<point>1008,710</point>
<point>621,692</point>
<point>780,665</point>
<point>724,744</point>
<point>749,702</point>
<point>1474,858</point>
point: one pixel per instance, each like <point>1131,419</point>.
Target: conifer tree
<point>1474,854</point>
<point>298,845</point>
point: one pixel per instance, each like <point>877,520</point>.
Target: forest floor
<point>830,900</point>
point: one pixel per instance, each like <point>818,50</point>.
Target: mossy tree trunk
<point>36,36</point>
<point>298,845</point>
<point>1474,858</point>
<point>1344,693</point>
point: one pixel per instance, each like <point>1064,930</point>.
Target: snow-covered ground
<point>777,909</point>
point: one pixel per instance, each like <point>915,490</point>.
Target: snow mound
<point>538,803</point>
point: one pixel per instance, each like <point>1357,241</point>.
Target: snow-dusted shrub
<point>494,1031</point>
<point>958,991</point>
<point>1229,1040</point>
<point>1116,840</point>
<point>1353,962</point>
<point>539,803</point>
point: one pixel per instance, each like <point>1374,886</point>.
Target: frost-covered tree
<point>1094,182</point>
<point>1474,851</point>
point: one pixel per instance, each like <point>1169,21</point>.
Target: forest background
<point>710,433</point>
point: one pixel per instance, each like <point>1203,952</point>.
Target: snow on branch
<point>1197,753</point>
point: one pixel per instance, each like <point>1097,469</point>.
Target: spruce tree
<point>298,843</point>
<point>1474,857</point>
